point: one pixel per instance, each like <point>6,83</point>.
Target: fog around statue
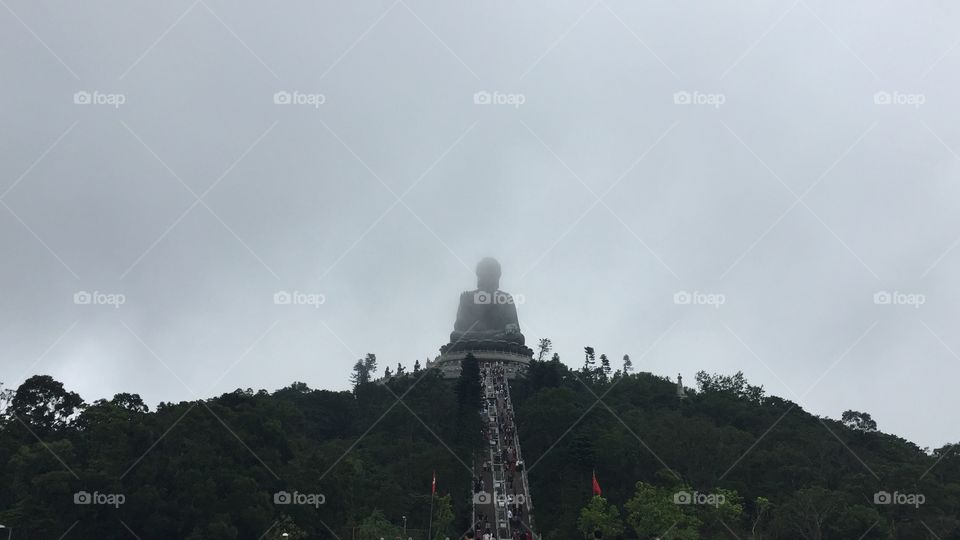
<point>487,314</point>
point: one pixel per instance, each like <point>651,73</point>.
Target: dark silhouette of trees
<point>212,468</point>
<point>42,404</point>
<point>365,369</point>
<point>469,398</point>
<point>858,421</point>
<point>544,346</point>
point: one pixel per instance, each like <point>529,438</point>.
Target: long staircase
<point>502,505</point>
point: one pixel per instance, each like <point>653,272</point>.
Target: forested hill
<point>321,464</point>
<point>781,472</point>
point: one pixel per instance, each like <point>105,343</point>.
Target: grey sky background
<point>798,198</point>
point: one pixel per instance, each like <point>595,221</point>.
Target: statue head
<point>488,274</point>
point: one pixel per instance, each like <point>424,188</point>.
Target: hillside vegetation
<point>354,464</point>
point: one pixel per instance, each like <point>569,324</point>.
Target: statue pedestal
<point>514,364</point>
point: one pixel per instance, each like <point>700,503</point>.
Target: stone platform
<point>514,363</point>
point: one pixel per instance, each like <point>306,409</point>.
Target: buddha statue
<point>487,316</point>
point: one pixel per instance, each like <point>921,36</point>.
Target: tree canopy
<point>727,461</point>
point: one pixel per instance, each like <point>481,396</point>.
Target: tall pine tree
<point>469,395</point>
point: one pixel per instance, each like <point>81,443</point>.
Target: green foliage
<point>469,397</point>
<point>598,514</point>
<point>807,511</point>
<point>605,368</point>
<point>544,346</point>
<point>652,512</point>
<point>729,438</point>
<point>42,404</point>
<point>735,385</point>
<point>285,529</point>
<point>210,469</point>
<point>589,359</point>
<point>376,526</point>
<point>442,517</point>
<point>858,421</point>
<point>365,369</point>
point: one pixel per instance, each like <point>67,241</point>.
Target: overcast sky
<point>610,154</point>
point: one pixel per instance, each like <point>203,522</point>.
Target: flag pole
<point>430,527</point>
<point>433,491</point>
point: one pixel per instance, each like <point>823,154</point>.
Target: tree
<point>627,364</point>
<point>727,510</point>
<point>400,369</point>
<point>599,514</point>
<point>861,522</point>
<point>760,507</point>
<point>544,346</point>
<point>198,482</point>
<point>6,396</point>
<point>387,374</point>
<point>43,404</point>
<point>735,385</point>
<point>376,526</point>
<point>442,517</point>
<point>806,512</point>
<point>285,529</point>
<point>360,374</point>
<point>859,421</point>
<point>469,398</point>
<point>589,360</point>
<point>130,402</point>
<point>370,363</point>
<point>364,370</point>
<point>299,387</point>
<point>651,512</point>
<point>416,366</point>
<point>605,366</point>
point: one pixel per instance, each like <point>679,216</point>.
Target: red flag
<point>433,485</point>
<point>596,485</point>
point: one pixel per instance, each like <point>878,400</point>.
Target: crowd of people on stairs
<point>502,503</point>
